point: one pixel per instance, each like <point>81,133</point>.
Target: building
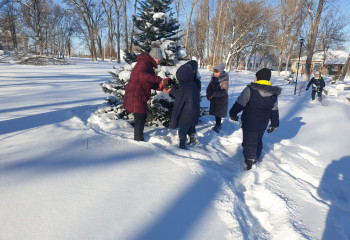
<point>7,44</point>
<point>331,64</point>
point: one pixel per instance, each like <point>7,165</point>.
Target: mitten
<point>234,118</point>
<point>271,129</point>
<point>163,83</point>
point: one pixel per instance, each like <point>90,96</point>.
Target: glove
<point>307,88</point>
<point>234,118</point>
<point>163,83</point>
<point>271,129</point>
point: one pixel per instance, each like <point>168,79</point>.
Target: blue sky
<point>343,7</point>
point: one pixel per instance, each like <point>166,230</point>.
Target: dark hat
<point>263,74</point>
<point>185,73</point>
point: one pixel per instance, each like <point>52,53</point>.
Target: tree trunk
<point>223,32</point>
<point>345,70</point>
<point>208,36</point>
<point>314,23</point>
<point>118,38</point>
<point>126,36</point>
<point>117,10</point>
<point>188,19</point>
<point>216,41</point>
<point>133,28</point>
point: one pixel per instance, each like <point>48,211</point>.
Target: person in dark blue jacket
<point>186,110</point>
<point>217,95</point>
<point>259,104</point>
<point>318,84</point>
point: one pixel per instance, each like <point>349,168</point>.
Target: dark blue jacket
<point>217,89</point>
<point>260,105</point>
<point>317,84</point>
<point>186,108</point>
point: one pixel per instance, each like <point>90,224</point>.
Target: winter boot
<point>217,128</point>
<point>194,140</point>
<point>182,144</point>
<point>139,138</point>
<point>249,163</point>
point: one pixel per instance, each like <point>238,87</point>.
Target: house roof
<point>332,57</point>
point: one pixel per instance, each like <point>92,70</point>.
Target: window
<point>317,67</point>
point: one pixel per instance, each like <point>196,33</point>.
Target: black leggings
<point>218,120</point>
<point>140,119</point>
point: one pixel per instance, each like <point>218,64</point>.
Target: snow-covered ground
<point>68,173</point>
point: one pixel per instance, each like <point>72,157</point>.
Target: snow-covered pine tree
<point>154,24</point>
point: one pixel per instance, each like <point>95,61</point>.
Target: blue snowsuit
<point>260,105</point>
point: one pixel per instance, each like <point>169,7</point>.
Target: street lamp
<point>296,80</point>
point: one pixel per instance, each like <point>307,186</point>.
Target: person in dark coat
<point>197,76</point>
<point>138,91</point>
<point>186,110</point>
<point>259,103</point>
<point>318,84</point>
<point>218,96</point>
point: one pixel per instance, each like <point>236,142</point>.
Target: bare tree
<point>219,25</point>
<point>331,32</point>
<point>84,9</point>
<point>314,21</point>
<point>201,25</point>
<point>35,15</point>
<point>188,18</point>
<point>108,8</point>
<point>346,69</point>
<point>8,21</point>
<point>133,27</point>
<point>248,27</point>
<point>126,31</point>
<point>287,23</point>
<point>117,6</point>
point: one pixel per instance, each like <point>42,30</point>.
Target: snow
<point>161,16</point>
<point>332,57</point>
<point>69,172</point>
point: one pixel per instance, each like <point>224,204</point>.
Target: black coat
<point>219,95</point>
<point>186,108</point>
<point>260,105</point>
<point>317,84</point>
<point>197,76</point>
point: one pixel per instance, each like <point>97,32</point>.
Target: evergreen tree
<point>153,24</point>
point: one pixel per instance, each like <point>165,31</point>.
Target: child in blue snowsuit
<point>318,84</point>
<point>259,104</point>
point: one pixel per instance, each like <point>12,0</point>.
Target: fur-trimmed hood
<point>222,78</point>
<point>265,90</point>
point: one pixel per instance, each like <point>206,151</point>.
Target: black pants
<point>218,121</point>
<point>319,94</point>
<point>252,144</point>
<point>140,119</point>
<point>184,131</point>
